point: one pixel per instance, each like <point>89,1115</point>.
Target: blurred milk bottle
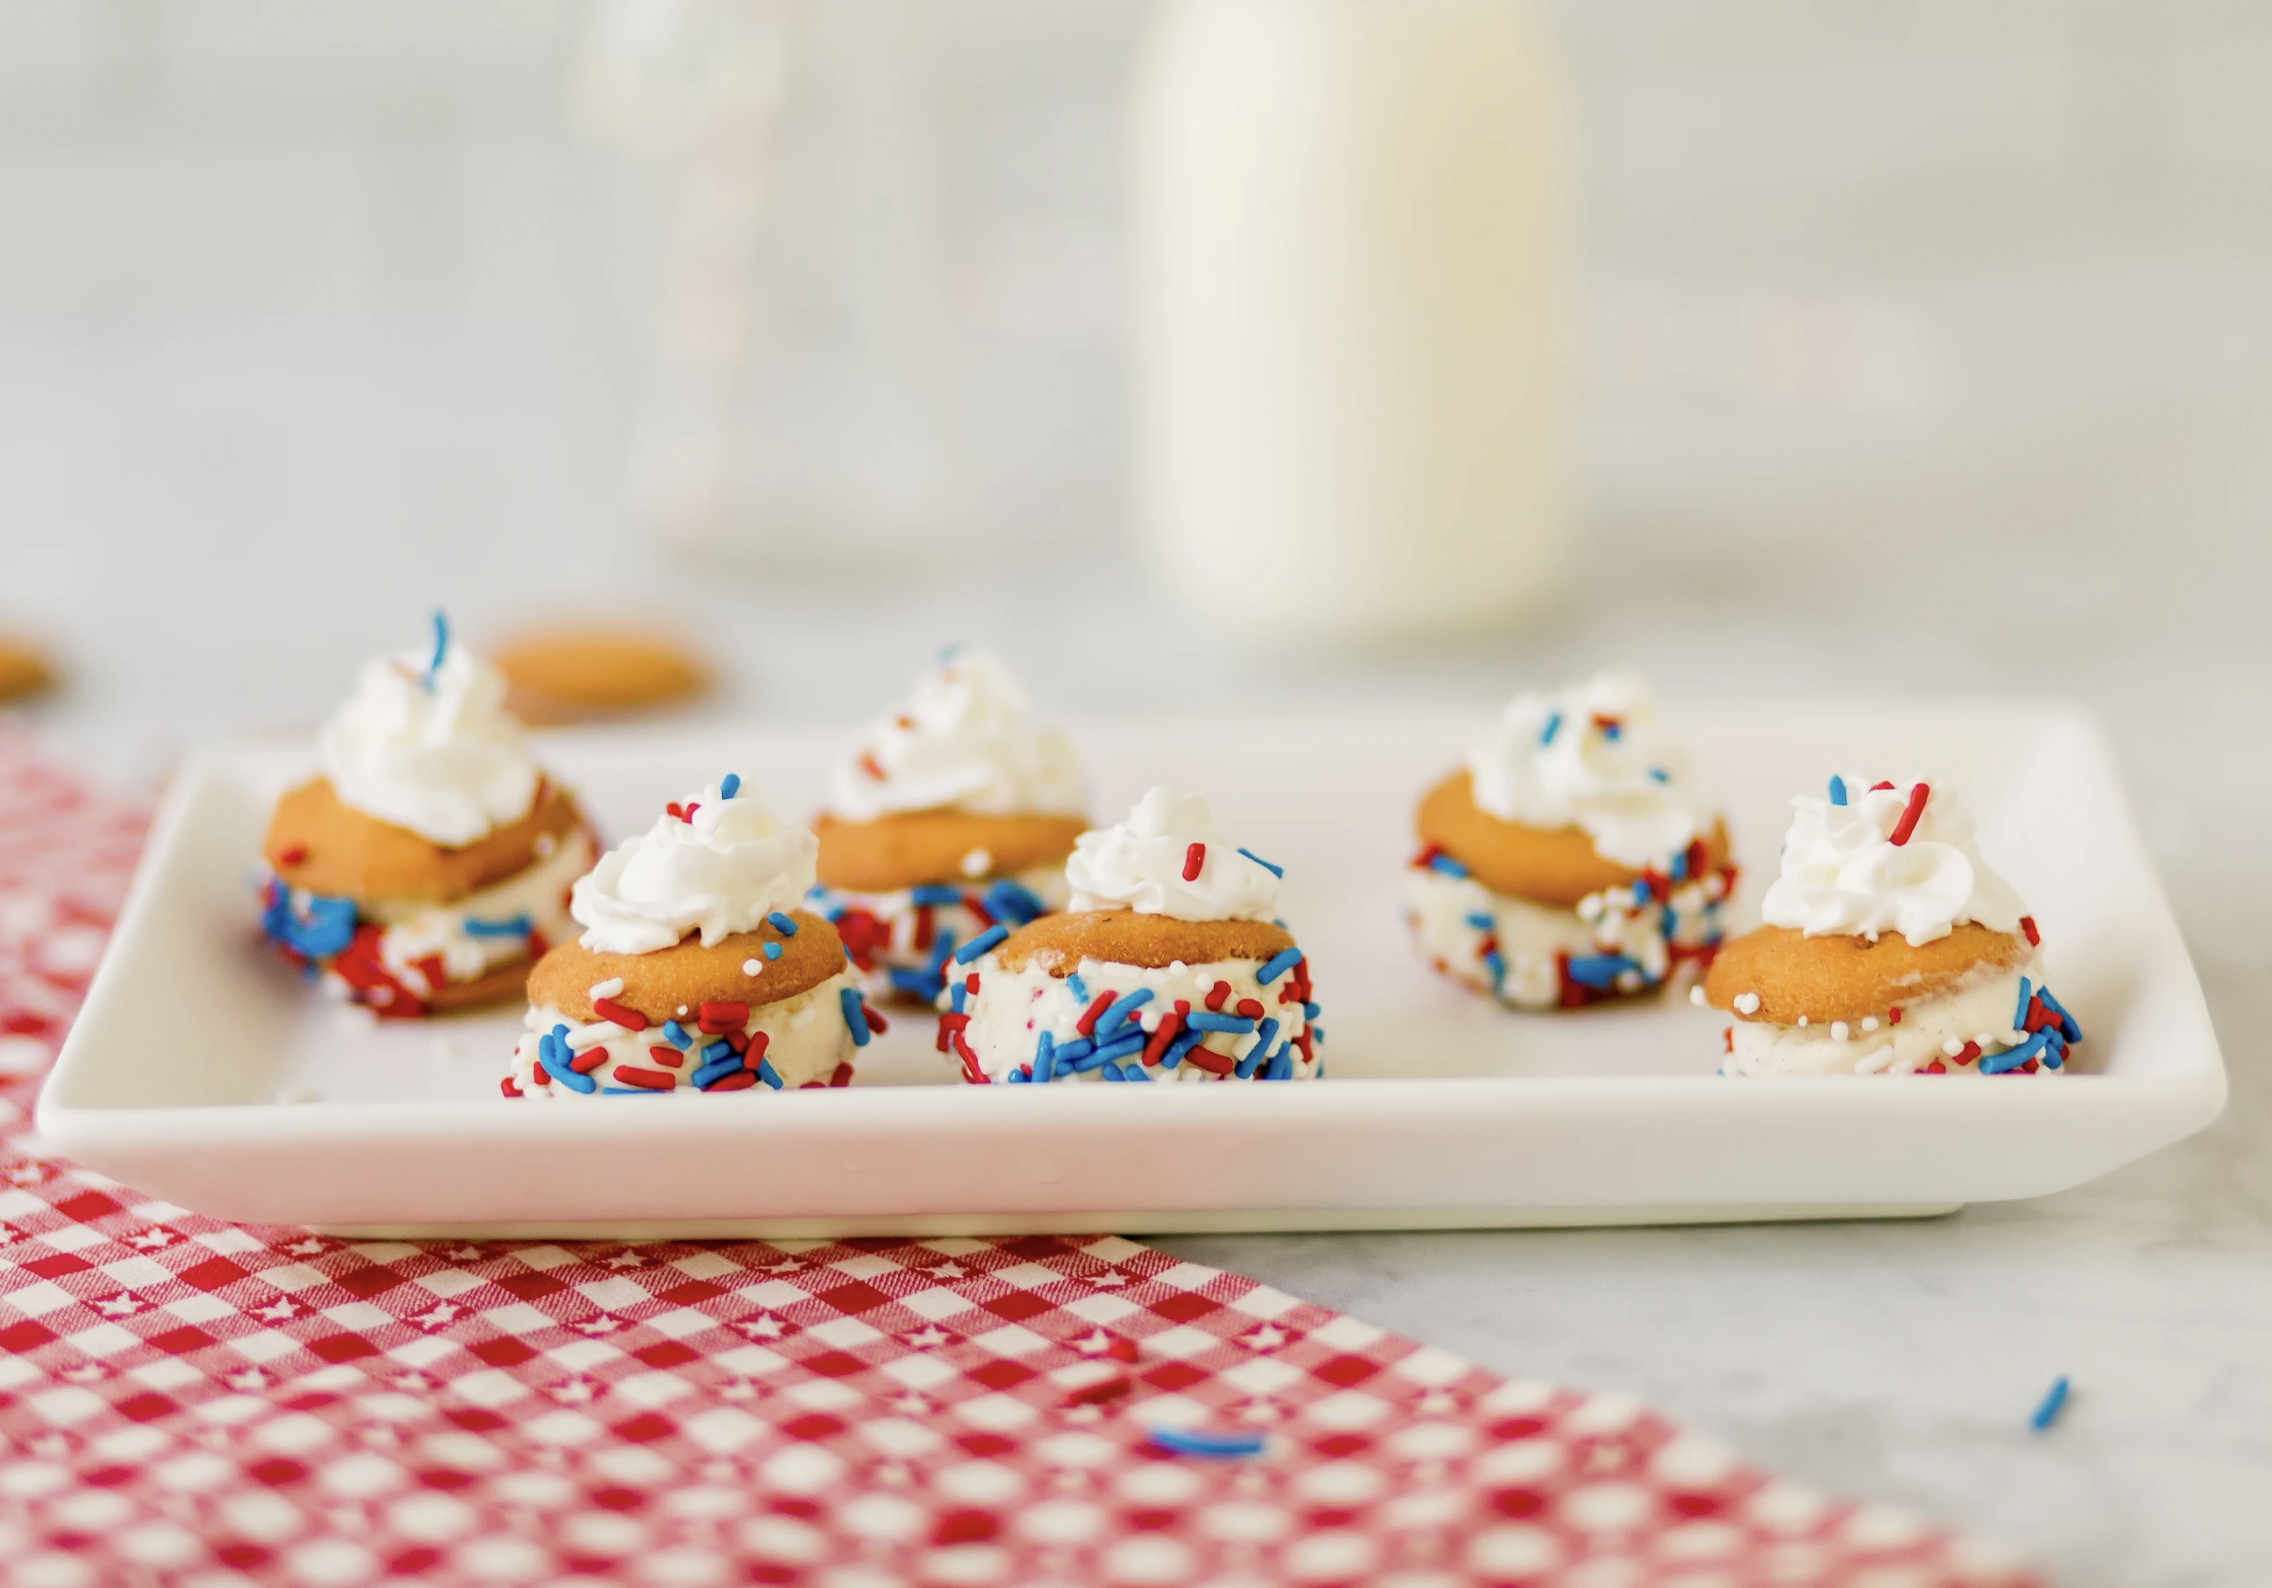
<point>1350,315</point>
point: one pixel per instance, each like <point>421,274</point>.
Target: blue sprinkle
<point>637,1091</point>
<point>1482,921</point>
<point>1317,1034</point>
<point>1496,963</point>
<point>771,950</point>
<point>1678,870</point>
<point>980,944</point>
<point>1080,993</point>
<point>1121,1008</point>
<point>1016,1077</point>
<point>782,924</point>
<point>1068,1052</point>
<point>1208,1020</point>
<point>1110,1072</point>
<point>1179,1047</point>
<point>1660,774</point>
<point>772,1077</point>
<point>960,993</point>
<point>1268,1035</point>
<point>729,785</point>
<point>1666,922</point>
<point>1312,1011</point>
<point>1447,865</point>
<point>1012,901</point>
<point>2053,1402</point>
<point>1276,871</point>
<point>1121,1048</point>
<point>517,926</point>
<point>1277,965</point>
<point>934,893</point>
<point>916,983</point>
<point>441,647</point>
<point>1553,727</point>
<point>1106,1055</point>
<point>322,930</point>
<point>855,1016</point>
<point>709,1074</point>
<point>1613,731</point>
<point>1219,1447</point>
<point>1135,1072</point>
<point>1045,1057</point>
<point>1640,893</point>
<point>553,1055</point>
<point>1837,790</point>
<point>2013,1058</point>
<point>2019,1015</point>
<point>677,1035</point>
<point>721,1049</point>
<point>2067,1027</point>
<point>941,947</point>
<point>1281,1065</point>
<point>1600,970</point>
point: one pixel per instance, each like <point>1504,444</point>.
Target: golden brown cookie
<point>595,670</point>
<point>910,848</point>
<point>499,984</point>
<point>317,843</point>
<point>1841,977</point>
<point>23,669</point>
<point>688,976</point>
<point>1058,943</point>
<point>1547,866</point>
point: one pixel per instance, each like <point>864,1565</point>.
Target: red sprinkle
<point>970,982</point>
<point>720,1018</point>
<point>1935,1068</point>
<point>1728,1040</point>
<point>1215,999</point>
<point>1157,1048</point>
<point>1249,1009</point>
<point>1971,1052</point>
<point>293,854</point>
<point>738,1040</point>
<point>972,1070</point>
<point>755,1049</point>
<point>869,766</point>
<point>1875,787</point>
<point>590,1059</point>
<point>842,1077</point>
<point>2034,938</point>
<point>508,1088</point>
<point>629,1019</point>
<point>540,1075</point>
<point>652,1080</point>
<point>670,1058</point>
<point>1087,1024</point>
<point>1902,829</point>
<point>877,1024</point>
<point>733,1081</point>
<point>1193,859</point>
<point>1212,1062</point>
<point>1893,1016</point>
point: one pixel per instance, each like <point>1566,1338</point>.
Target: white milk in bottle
<point>1348,244</point>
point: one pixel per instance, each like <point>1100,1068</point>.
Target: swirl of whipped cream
<point>1139,864</point>
<point>429,746</point>
<point>962,743</point>
<point>720,868</point>
<point>1843,873</point>
<point>1590,756</point>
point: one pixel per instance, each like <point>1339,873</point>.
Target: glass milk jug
<point>1348,243</point>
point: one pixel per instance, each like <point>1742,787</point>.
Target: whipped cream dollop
<point>962,742</point>
<point>1879,855</point>
<point>1168,858</point>
<point>717,862</point>
<point>1590,756</point>
<point>425,743</point>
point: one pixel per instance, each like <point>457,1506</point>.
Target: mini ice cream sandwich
<point>1890,948</point>
<point>949,818</point>
<point>695,971</point>
<point>1168,966</point>
<point>1571,860</point>
<point>428,866</point>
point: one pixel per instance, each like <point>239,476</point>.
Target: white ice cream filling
<point>412,932</point>
<point>806,1038</point>
<point>1928,1031</point>
<point>1514,949</point>
<point>923,955</point>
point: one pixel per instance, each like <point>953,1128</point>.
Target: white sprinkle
<point>682,1009</point>
<point>610,988</point>
<point>1953,1047</point>
<point>751,967</point>
<point>1838,1031</point>
<point>1869,1022</point>
<point>1802,1020</point>
<point>1696,996</point>
<point>592,1036</point>
<point>1747,1003</point>
<point>546,844</point>
<point>977,863</point>
<point>1984,1037</point>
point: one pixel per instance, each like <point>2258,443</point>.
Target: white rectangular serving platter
<point>202,1071</point>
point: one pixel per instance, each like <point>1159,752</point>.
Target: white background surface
<point>1927,349</point>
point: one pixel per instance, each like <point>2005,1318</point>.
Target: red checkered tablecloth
<point>187,1401</point>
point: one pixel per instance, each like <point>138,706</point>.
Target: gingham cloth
<point>186,1401</point>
